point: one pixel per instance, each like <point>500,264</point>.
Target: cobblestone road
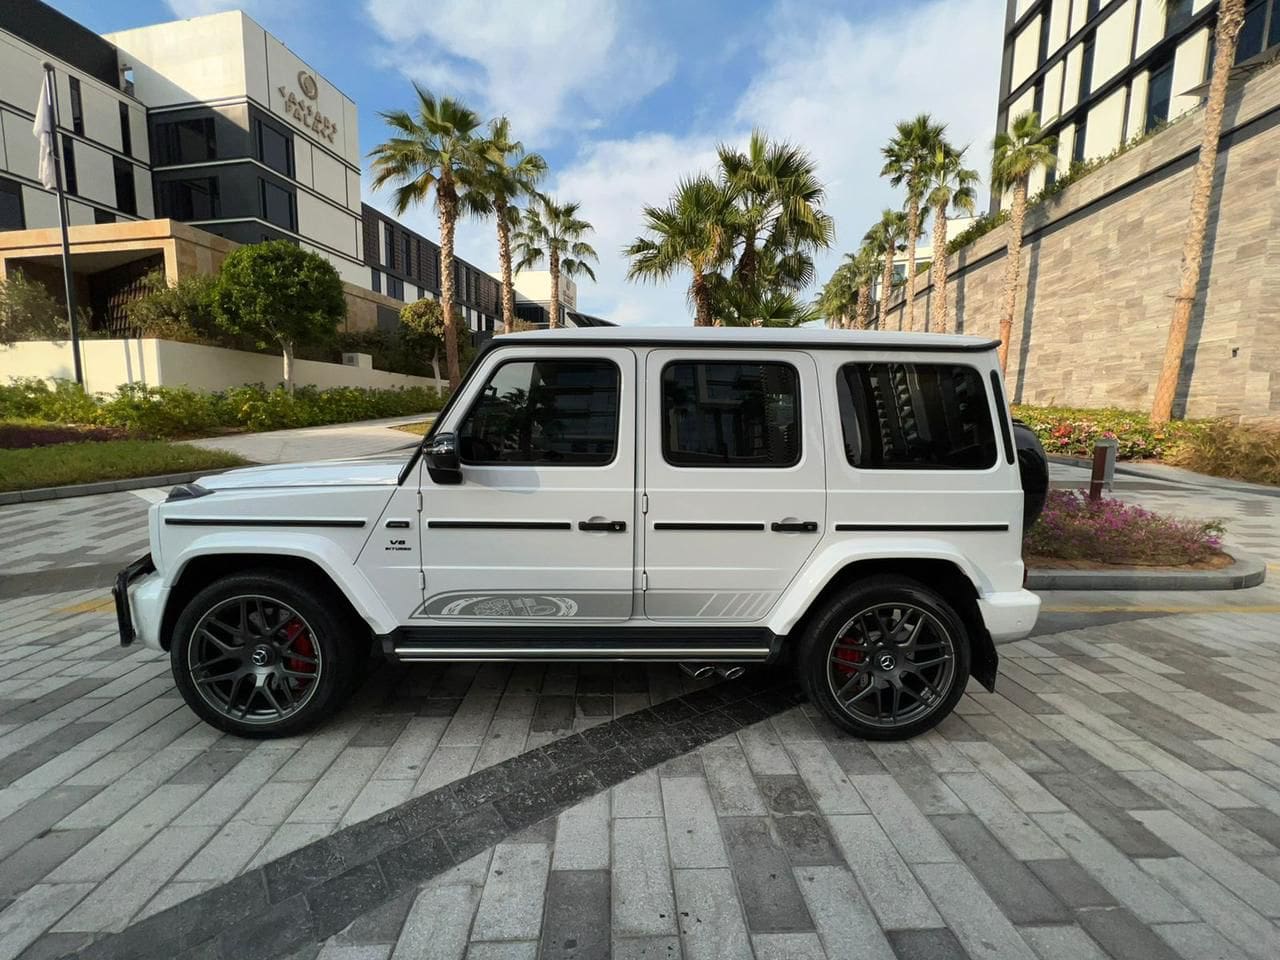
<point>1119,796</point>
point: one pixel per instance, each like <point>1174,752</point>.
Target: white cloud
<point>557,65</point>
<point>835,87</point>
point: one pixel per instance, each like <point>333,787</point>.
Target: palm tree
<point>906,159</point>
<point>739,305</point>
<point>865,263</point>
<point>777,199</point>
<point>511,174</point>
<point>692,231</point>
<point>886,239</point>
<point>948,184</point>
<point>1023,148</point>
<point>435,152</point>
<point>1230,18</point>
<point>554,232</point>
<point>839,296</point>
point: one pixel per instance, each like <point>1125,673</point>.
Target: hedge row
<point>178,412</point>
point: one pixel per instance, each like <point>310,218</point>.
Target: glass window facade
<point>11,212</point>
<point>1159,94</point>
<point>185,141</point>
<point>275,149</point>
<point>126,194</point>
<point>195,199</point>
<point>126,132</point>
<point>277,205</point>
<point>77,106</point>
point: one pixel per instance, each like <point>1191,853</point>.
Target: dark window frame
<point>259,147</point>
<point>165,190</point>
<point>126,131</point>
<point>168,141</point>
<point>1078,138</point>
<point>77,105</point>
<point>978,381</point>
<point>395,287</point>
<point>14,189</point>
<point>70,182</point>
<point>122,173</point>
<point>1162,69</point>
<point>263,185</point>
<point>1088,50</point>
<point>389,251</point>
<point>525,465</point>
<point>799,408</point>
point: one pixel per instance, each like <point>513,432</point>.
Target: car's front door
<point>542,525</point>
<point>733,478</point>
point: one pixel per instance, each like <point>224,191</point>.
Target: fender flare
<point>827,564</point>
<point>332,560</point>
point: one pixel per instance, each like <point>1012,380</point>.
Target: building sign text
<point>305,113</point>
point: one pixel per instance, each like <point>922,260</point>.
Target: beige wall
<point>110,363</point>
<point>1100,267</point>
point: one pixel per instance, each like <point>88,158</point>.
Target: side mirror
<point>442,459</point>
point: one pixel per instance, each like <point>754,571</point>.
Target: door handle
<point>604,526</point>
<point>794,526</point>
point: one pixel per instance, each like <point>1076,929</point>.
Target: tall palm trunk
<point>701,301</point>
<point>886,285</point>
<point>862,315</point>
<point>1230,18</point>
<point>287,349</point>
<point>745,271</point>
<point>1012,267</point>
<point>913,227</point>
<point>554,306</point>
<point>504,258</point>
<point>939,268</point>
<point>448,204</point>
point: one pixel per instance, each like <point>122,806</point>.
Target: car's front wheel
<point>264,654</point>
<point>886,660</point>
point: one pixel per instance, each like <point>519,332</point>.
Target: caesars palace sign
<point>306,113</point>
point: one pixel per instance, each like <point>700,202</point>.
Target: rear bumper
<point>139,597</point>
<point>1009,616</point>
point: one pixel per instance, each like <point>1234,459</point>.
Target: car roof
<point>797,338</point>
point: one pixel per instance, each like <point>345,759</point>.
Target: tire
<point>859,697</point>
<point>264,654</point>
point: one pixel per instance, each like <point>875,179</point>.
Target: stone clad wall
<point>1100,268</point>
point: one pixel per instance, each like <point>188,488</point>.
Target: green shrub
<point>1072,432</point>
<point>179,412</point>
<point>182,311</point>
<point>1242,451</point>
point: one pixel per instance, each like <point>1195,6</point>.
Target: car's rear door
<point>733,479</point>
<point>542,524</point>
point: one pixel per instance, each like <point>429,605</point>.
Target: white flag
<point>44,131</point>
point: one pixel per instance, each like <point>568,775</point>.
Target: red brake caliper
<point>298,641</point>
<point>849,656</point>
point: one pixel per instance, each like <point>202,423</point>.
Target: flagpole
<point>67,279</point>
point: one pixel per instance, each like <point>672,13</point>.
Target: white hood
<point>365,472</point>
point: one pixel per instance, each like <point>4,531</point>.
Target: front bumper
<point>139,599</point>
<point>1009,616</point>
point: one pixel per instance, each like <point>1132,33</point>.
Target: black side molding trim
<point>259,522</point>
<point>667,525</point>
<point>923,527</point>
<point>499,525</point>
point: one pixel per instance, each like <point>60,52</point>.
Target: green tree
<point>691,232</point>
<point>439,153</point>
<point>422,330</point>
<point>776,208</point>
<point>1230,19</point>
<point>838,299</point>
<point>281,295</point>
<point>184,310</point>
<point>949,184</point>
<point>29,312</point>
<point>510,175</point>
<point>907,156</point>
<point>1017,152</point>
<point>886,238</point>
<point>554,232</point>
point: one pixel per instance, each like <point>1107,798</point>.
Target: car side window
<point>552,412</point>
<point>915,416</point>
<point>730,414</point>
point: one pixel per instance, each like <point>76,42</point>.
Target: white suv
<point>849,501</point>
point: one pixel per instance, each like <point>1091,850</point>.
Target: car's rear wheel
<point>264,654</point>
<point>886,660</point>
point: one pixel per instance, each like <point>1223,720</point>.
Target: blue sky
<point>623,98</point>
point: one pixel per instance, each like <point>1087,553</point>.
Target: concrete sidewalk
<point>337,441</point>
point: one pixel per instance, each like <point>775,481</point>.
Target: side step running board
<point>647,644</point>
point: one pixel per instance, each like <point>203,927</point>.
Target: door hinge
<point>419,501</point>
<point>644,503</point>
<point>422,580</point>
<point>644,579</point>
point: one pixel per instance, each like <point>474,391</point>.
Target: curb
<point>1247,571</point>
<point>1164,475</point>
<point>105,486</point>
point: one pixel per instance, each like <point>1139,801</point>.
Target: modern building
<point>211,122</point>
<point>1102,72</point>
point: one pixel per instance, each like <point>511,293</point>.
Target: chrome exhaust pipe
<point>699,671</point>
<point>730,673</point>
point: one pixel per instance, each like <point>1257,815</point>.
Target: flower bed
<point>1072,432</point>
<point>1107,531</point>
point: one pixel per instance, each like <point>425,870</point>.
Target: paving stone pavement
<point>1119,796</point>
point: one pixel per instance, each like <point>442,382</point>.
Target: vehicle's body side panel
<point>507,544</point>
<point>711,553</point>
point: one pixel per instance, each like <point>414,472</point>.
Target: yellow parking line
<point>1159,608</point>
<point>100,605</point>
